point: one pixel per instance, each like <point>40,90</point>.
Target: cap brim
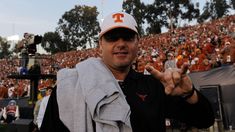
<point>109,29</point>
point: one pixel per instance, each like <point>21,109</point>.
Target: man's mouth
<point>120,53</point>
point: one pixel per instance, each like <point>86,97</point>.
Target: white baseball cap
<point>118,20</point>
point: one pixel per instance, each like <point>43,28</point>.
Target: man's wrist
<point>188,94</point>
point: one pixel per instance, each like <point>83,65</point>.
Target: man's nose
<point>120,43</point>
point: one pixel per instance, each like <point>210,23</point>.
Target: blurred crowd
<point>203,47</point>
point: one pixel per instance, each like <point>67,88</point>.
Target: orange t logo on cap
<point>118,17</point>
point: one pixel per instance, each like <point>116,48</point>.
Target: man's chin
<point>122,64</point>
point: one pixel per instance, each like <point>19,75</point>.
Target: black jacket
<point>149,107</point>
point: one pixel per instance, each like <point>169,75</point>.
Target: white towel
<point>91,92</point>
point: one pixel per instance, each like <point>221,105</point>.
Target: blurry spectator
<point>201,56</point>
<point>232,51</point>
<point>158,63</point>
<point>182,59</point>
<point>215,62</point>
<point>194,65</point>
<point>11,112</point>
<point>3,92</point>
<point>182,38</point>
<point>226,54</point>
<point>43,106</point>
<point>41,94</point>
<point>205,65</point>
<point>208,48</point>
<point>171,61</point>
<point>11,91</point>
<point>140,65</point>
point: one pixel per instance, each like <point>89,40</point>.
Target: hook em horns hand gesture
<point>175,81</point>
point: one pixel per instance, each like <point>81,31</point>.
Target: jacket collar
<point>133,75</point>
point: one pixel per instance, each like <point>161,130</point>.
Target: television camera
<point>29,42</point>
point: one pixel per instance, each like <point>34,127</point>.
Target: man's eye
<point>129,38</point>
<point>111,39</point>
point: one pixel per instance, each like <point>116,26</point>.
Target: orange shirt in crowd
<point>181,61</point>
<point>194,68</point>
<point>3,92</point>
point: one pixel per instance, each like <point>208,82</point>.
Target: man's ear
<point>100,45</point>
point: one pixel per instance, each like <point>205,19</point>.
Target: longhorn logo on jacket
<point>142,96</point>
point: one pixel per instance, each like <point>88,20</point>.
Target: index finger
<point>157,74</point>
<point>184,69</point>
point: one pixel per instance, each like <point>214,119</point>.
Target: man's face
<point>119,48</point>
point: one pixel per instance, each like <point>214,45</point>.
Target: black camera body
<point>31,43</point>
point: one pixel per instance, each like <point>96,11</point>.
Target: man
<point>42,93</point>
<point>42,106</point>
<point>88,97</point>
<point>171,61</point>
<point>11,112</point>
<point>228,53</point>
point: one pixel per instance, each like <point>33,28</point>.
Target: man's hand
<point>175,81</point>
